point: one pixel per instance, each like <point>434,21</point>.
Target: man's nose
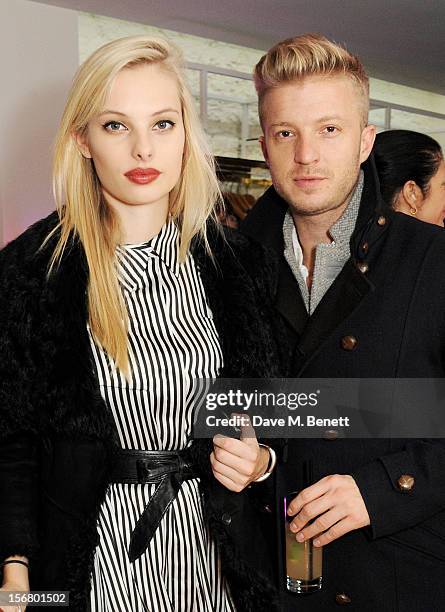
<point>306,151</point>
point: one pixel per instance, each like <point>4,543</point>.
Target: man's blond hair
<point>309,55</point>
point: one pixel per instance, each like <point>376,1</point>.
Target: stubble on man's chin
<point>298,208</point>
<point>305,211</point>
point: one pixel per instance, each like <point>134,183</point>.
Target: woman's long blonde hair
<point>84,213</point>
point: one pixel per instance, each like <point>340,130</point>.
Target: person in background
<point>411,169</point>
<point>110,309</point>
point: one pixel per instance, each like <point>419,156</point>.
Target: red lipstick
<point>142,176</point>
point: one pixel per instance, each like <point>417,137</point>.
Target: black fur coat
<point>57,438</point>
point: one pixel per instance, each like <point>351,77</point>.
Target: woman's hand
<point>237,463</point>
<point>14,587</point>
<point>15,580</point>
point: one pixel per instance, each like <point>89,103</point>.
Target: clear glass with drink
<point>303,560</point>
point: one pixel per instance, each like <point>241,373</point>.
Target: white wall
<point>416,98</point>
<point>39,54</point>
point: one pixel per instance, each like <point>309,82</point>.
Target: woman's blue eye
<point>165,124</point>
<point>114,126</point>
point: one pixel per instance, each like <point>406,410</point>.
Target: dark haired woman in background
<point>412,174</point>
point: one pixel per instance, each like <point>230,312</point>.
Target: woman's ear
<point>81,141</point>
<point>412,195</point>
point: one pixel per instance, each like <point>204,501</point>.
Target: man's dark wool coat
<point>394,308</point>
<point>57,438</point>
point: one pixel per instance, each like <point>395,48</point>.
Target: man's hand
<point>338,504</point>
<point>236,463</point>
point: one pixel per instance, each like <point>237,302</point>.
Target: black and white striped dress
<point>172,340</point>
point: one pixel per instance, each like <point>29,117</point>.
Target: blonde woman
<point>110,308</point>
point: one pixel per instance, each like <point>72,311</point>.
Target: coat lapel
<point>265,224</point>
<point>82,409</point>
<point>289,301</point>
<point>352,285</point>
<point>340,301</point>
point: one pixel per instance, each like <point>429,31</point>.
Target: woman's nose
<point>142,148</point>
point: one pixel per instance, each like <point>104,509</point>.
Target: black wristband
<point>15,561</point>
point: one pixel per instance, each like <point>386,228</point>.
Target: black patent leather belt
<point>167,469</point>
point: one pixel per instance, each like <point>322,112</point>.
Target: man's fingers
<point>336,531</point>
<point>321,524</point>
<point>337,506</point>
<point>308,495</point>
<point>311,511</point>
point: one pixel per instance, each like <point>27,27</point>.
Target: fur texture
<point>57,436</point>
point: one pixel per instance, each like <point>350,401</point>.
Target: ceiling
<point>402,41</point>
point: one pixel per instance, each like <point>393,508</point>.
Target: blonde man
<point>362,294</point>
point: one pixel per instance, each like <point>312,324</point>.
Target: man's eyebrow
<point>328,118</point>
<point>159,112</point>
<point>325,119</point>
<point>281,123</point>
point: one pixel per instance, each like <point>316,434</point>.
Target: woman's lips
<point>142,176</point>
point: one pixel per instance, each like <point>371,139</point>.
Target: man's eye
<point>164,124</point>
<point>114,126</point>
<point>330,129</point>
<point>284,133</point>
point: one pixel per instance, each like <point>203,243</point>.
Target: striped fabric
<point>172,341</point>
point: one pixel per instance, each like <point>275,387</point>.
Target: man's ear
<point>81,141</point>
<point>367,142</point>
<point>262,142</point>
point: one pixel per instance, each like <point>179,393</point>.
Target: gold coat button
<point>363,267</point>
<point>342,599</point>
<point>348,343</point>
<point>365,247</point>
<point>405,483</point>
<point>330,434</point>
<point>381,220</point>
